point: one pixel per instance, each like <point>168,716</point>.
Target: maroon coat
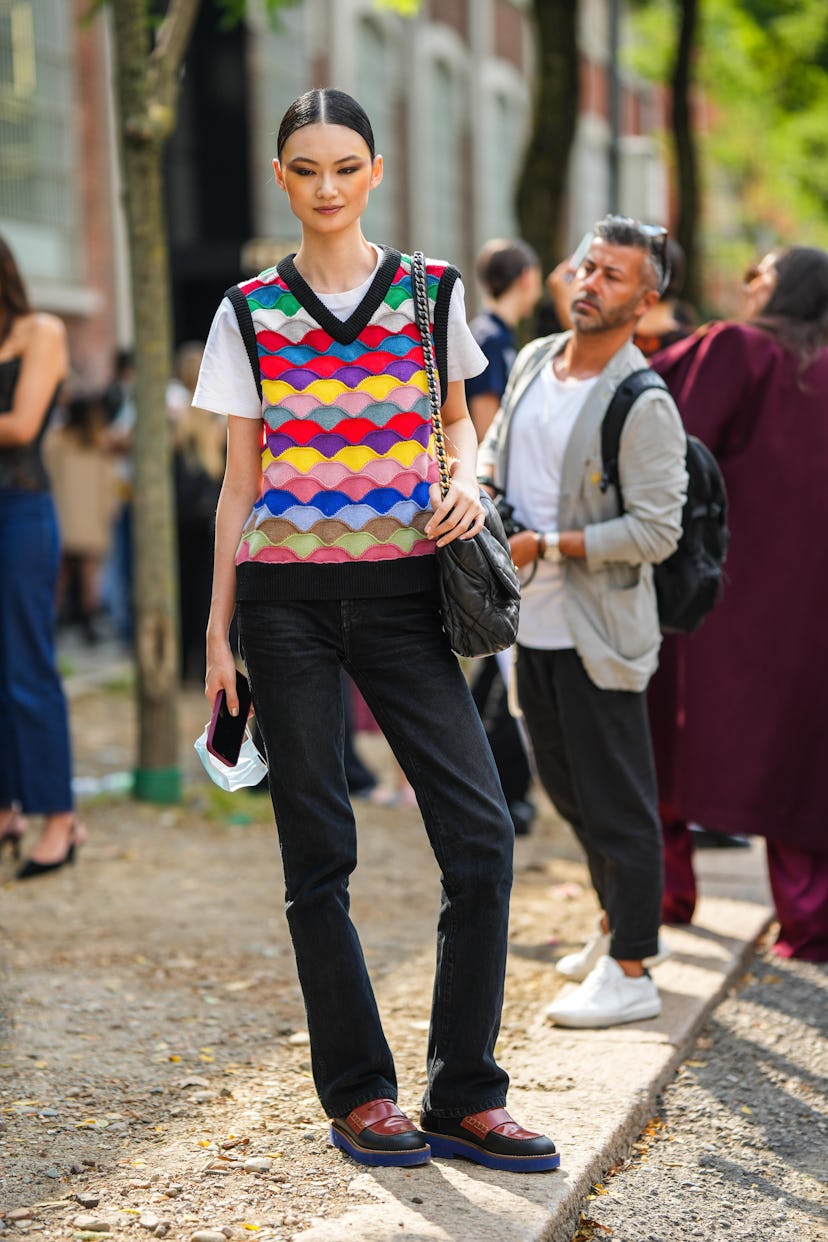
<point>740,708</point>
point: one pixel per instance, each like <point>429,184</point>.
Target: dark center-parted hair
<point>501,262</point>
<point>14,300</point>
<point>796,313</point>
<point>622,231</point>
<point>325,106</point>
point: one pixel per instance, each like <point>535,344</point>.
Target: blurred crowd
<point>735,711</point>
<point>87,450</point>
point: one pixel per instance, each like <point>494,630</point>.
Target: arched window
<point>377,78</point>
<point>443,164</point>
<point>284,45</point>
<point>507,141</point>
<point>38,169</point>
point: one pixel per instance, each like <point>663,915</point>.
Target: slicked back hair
<point>325,106</point>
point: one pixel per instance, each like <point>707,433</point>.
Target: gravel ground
<point>739,1147</point>
<point>154,1076</point>
<point>154,1070</point>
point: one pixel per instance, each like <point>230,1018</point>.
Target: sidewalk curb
<point>592,1091</point>
<point>561,1225</point>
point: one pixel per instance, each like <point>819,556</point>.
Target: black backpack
<point>689,582</point>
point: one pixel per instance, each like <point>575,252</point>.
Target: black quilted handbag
<point>479,588</point>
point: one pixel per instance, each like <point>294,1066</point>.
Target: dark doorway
<point>208,177</point>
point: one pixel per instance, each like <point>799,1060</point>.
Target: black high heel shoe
<point>32,867</point>
<point>12,834</point>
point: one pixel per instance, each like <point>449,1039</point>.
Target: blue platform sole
<point>446,1146</point>
<point>369,1155</point>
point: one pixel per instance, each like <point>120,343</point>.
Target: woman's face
<point>759,284</point>
<point>327,173</point>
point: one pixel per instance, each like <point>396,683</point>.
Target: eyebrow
<point>608,267</point>
<point>305,159</point>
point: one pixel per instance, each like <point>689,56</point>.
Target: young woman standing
<point>35,769</point>
<point>325,536</point>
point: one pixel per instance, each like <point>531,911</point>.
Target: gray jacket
<point>609,598</point>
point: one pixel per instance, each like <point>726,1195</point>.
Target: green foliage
<point>763,68</point>
<point>232,12</point>
<point>405,8</point>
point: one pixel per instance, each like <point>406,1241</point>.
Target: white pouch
<point>250,769</point>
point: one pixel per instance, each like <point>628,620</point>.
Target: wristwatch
<point>550,549</point>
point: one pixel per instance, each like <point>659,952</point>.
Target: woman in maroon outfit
<point>743,746</point>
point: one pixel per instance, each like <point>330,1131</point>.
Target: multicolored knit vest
<point>346,461</point>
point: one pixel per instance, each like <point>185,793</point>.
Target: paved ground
<point>155,1045</point>
<point>738,1147</point>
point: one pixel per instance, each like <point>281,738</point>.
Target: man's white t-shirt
<point>542,425</point>
<point>226,384</point>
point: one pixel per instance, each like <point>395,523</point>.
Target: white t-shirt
<point>225,381</point>
<point>542,425</point>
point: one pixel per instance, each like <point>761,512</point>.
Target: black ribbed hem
<point>403,577</point>
<point>441,318</point>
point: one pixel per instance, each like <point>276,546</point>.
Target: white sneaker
<point>607,997</point>
<point>576,966</point>
<point>660,956</point>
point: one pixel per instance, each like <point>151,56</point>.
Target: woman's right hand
<point>221,674</point>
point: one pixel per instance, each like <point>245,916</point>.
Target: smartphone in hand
<point>580,251</point>
<point>226,732</point>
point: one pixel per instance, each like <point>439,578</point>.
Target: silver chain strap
<point>420,292</point>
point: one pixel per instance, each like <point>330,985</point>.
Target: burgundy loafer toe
<point>378,1133</point>
<point>491,1138</point>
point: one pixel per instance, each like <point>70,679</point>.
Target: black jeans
<point>397,654</point>
<point>594,758</point>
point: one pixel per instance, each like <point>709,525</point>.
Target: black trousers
<point>594,759</point>
<point>491,697</point>
<point>397,653</point>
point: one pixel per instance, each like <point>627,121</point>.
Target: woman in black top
<point>35,768</point>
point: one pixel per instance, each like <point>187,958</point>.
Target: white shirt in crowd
<point>541,427</point>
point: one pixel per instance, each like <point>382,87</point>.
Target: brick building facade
<point>448,92</point>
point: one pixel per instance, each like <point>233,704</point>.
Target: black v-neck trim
<point>345,331</point>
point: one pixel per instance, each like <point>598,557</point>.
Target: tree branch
<point>174,36</point>
<point>165,62</point>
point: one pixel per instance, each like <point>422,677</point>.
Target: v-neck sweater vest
<point>347,458</point>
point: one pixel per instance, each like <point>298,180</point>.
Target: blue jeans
<point>35,766</point>
<point>396,652</point>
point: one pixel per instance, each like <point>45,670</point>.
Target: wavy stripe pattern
<point>346,463</point>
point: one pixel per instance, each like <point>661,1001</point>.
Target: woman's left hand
<point>460,515</point>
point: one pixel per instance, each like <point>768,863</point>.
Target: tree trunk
<point>146,104</point>
<point>542,185</point>
<point>685,148</point>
